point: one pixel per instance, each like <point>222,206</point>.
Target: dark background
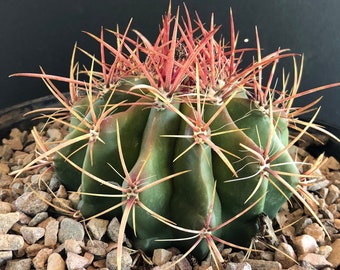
<point>43,32</point>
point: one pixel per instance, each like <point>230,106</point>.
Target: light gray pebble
<point>70,229</point>
<point>23,264</point>
<point>38,218</point>
<point>11,242</point>
<point>97,247</point>
<point>238,266</point>
<point>5,256</point>
<point>54,183</point>
<point>32,203</point>
<point>97,227</point>
<point>261,264</point>
<point>318,185</point>
<point>111,260</point>
<point>55,262</point>
<point>113,229</point>
<point>7,221</point>
<point>75,261</point>
<point>332,195</point>
<point>32,234</point>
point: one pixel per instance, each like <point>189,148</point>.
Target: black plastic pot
<point>14,117</point>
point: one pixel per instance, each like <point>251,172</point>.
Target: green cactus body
<point>154,163</point>
<point>102,158</point>
<point>236,195</point>
<point>194,191</point>
<point>67,173</point>
<point>80,108</point>
<point>257,127</point>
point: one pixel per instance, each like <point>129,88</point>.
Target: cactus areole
<point>175,139</point>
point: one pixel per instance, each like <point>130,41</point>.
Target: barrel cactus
<point>175,139</point>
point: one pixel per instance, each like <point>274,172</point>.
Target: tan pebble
<point>62,192</point>
<point>74,246</point>
<point>333,176</point>
<point>289,231</point>
<point>32,250</point>
<point>161,256</point>
<point>51,233</point>
<point>97,247</point>
<point>334,257</point>
<point>21,252</point>
<point>89,257</point>
<point>305,244</point>
<point>332,164</point>
<point>99,263</point>
<point>45,222</point>
<point>14,144</point>
<point>165,266</point>
<point>4,168</point>
<point>317,260</point>
<point>40,259</point>
<point>285,255</point>
<point>55,262</point>
<point>54,134</point>
<point>316,232</point>
<point>74,198</point>
<point>27,159</point>
<point>61,205</point>
<point>337,223</point>
<point>183,264</point>
<point>325,251</point>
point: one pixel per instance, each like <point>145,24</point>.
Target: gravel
<point>38,232</point>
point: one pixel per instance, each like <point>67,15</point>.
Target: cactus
<point>183,146</point>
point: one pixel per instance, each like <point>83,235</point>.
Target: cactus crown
<point>175,139</point>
